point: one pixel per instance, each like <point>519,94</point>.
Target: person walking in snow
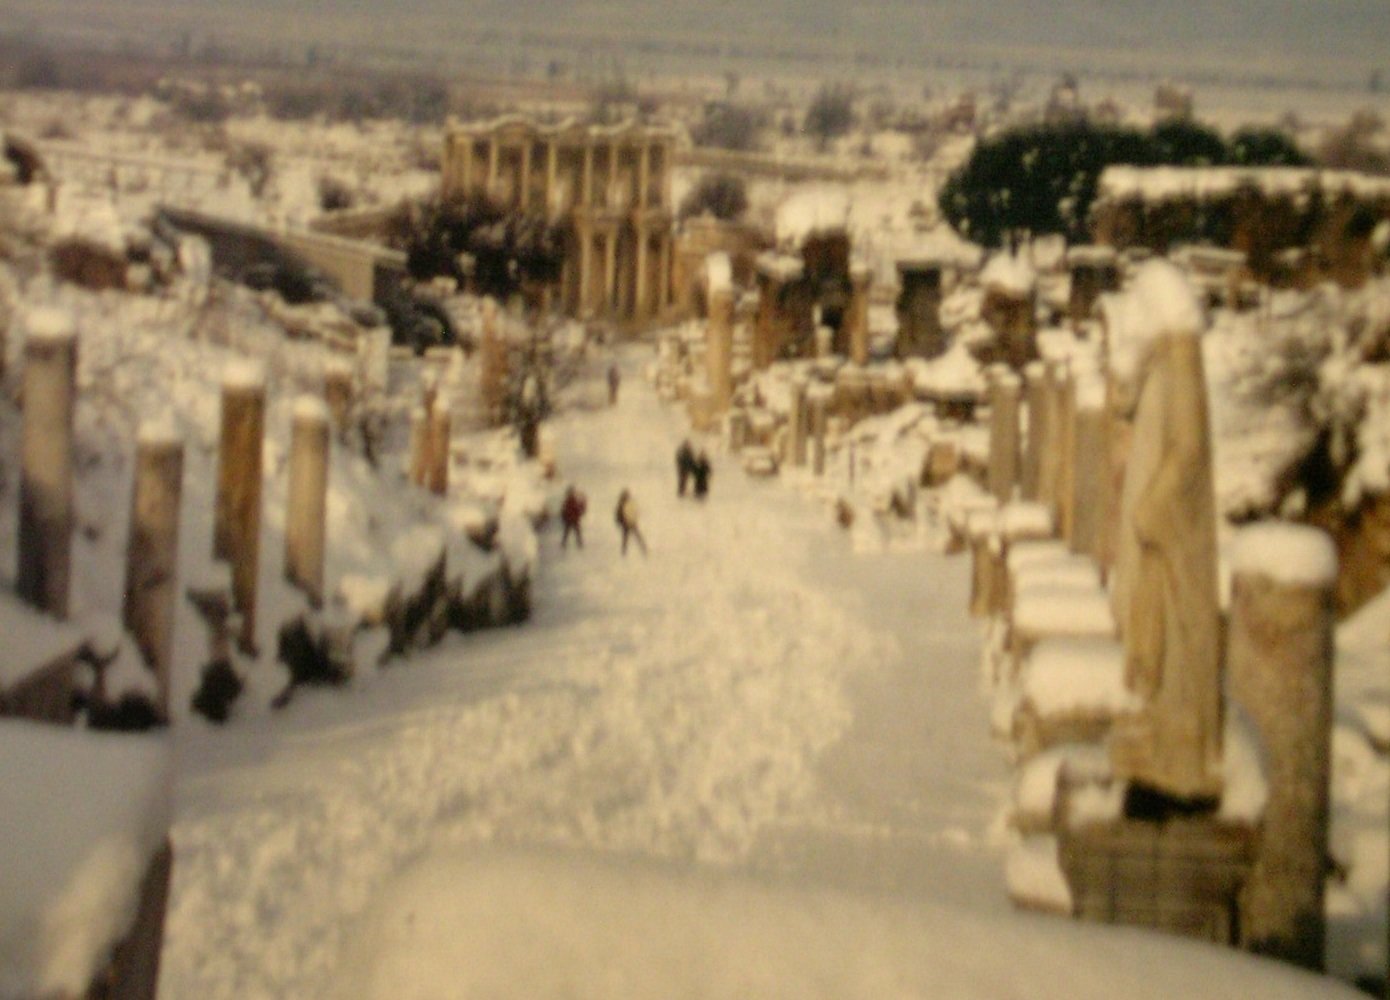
<point>613,379</point>
<point>571,513</point>
<point>700,471</point>
<point>626,516</point>
<point>685,465</point>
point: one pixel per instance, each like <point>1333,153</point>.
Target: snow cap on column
<point>1159,301</point>
<point>719,273</point>
<point>1293,554</point>
<point>50,323</point>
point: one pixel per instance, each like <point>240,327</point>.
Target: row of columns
<point>611,272</point>
<point>1278,640</point>
<point>43,574</point>
<point>466,172</point>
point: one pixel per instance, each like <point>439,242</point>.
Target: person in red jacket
<point>571,513</point>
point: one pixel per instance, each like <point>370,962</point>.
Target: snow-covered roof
<point>565,128</point>
<point>1089,255</point>
<point>940,246</point>
<point>1009,274</point>
<point>95,809</point>
<point>819,208</point>
<point>1159,184</point>
<point>955,373</point>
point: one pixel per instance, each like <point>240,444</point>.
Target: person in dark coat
<point>626,516</point>
<point>571,513</point>
<point>613,379</point>
<point>700,471</point>
<point>685,465</point>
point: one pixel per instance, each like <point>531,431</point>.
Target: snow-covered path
<point>749,764</point>
<point>677,706</point>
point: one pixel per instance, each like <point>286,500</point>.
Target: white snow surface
<point>1291,554</point>
<point>81,815</point>
<point>31,639</point>
<point>1065,676</point>
<point>747,764</point>
<point>811,210</point>
<point>1010,274</point>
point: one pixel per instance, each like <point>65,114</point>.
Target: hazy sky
<point>1245,36</point>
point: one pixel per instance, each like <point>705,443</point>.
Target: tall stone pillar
<point>720,348</point>
<point>1092,467</point>
<point>1050,441</point>
<point>237,518</point>
<point>418,450</point>
<point>46,447</point>
<point>857,318</point>
<point>468,171</point>
<point>307,502</point>
<point>663,278</point>
<point>796,424</point>
<point>524,194</point>
<point>493,157</point>
<point>1066,466</point>
<point>1280,654</point>
<point>1036,377</point>
<point>586,192</point>
<point>152,550</point>
<point>585,235</point>
<point>1003,436</point>
<point>552,194</point>
<point>819,400</point>
<point>610,271</point>
<point>639,290</point>
<point>643,176</point>
<point>337,393</point>
<point>438,438</point>
<point>610,200</point>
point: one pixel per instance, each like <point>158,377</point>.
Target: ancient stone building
<point>611,184</point>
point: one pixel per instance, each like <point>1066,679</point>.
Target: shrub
<point>728,126</point>
<point>831,113</point>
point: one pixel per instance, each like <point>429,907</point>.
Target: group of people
<point>575,504</point>
<point>692,468</point>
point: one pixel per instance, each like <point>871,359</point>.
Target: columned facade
<point>610,184</point>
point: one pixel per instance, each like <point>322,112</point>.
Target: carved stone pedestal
<point>1182,875</point>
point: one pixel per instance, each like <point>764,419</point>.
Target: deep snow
<point>750,763</point>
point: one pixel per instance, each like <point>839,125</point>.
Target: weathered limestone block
<point>1070,691</point>
<point>1280,654</point>
<point>1035,376</point>
<point>237,518</point>
<point>307,502</point>
<point>46,448</point>
<point>152,549</point>
<point>796,424</point>
<point>1091,471</point>
<point>719,351</point>
<point>1004,435</point>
